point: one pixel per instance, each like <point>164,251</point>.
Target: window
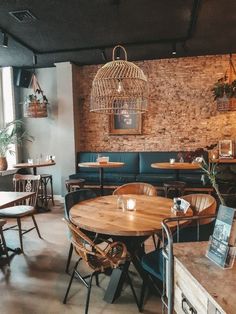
<point>7,111</point>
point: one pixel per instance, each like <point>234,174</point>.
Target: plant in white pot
<point>12,133</point>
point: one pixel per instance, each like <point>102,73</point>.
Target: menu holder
<point>180,206</point>
<point>221,249</point>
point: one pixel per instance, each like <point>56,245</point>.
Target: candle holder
<point>131,204</point>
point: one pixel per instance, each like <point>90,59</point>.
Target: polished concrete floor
<point>36,281</point>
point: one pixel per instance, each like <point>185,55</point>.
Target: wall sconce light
<point>4,40</point>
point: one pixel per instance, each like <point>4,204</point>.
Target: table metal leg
<point>101,180</point>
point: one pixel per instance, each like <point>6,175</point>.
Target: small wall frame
<point>127,123</point>
<point>226,149</point>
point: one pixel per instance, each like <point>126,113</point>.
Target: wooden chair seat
<point>17,211</point>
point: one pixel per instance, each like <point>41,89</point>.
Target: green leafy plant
<point>211,172</point>
<point>223,88</point>
<point>12,133</point>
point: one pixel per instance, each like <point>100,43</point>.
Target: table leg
<point>101,180</point>
<point>35,171</point>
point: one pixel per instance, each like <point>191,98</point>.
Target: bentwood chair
<point>71,199</point>
<point>98,258</point>
<point>140,188</point>
<point>23,183</point>
<point>201,204</point>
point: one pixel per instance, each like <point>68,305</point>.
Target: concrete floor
<point>36,281</point>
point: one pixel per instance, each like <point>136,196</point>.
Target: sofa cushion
<point>131,160</point>
<point>155,179</point>
<point>148,158</point>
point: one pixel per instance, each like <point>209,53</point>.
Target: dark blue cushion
<point>153,263</point>
<point>155,179</point>
<point>148,158</point>
<point>118,178</point>
<point>189,234</point>
<point>88,176</point>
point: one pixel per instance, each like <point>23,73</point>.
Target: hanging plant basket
<point>224,90</point>
<point>36,105</point>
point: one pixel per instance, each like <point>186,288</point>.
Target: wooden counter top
<point>218,284</point>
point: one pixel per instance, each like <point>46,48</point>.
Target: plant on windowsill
<point>12,133</point>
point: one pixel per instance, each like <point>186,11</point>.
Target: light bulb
<point>120,87</point>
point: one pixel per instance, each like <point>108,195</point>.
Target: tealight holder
<point>131,204</point>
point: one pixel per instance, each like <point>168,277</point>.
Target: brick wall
<point>181,115</point>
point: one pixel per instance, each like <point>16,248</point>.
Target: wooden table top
<point>176,165</point>
<point>102,215</point>
<point>8,198</point>
<point>110,164</point>
<point>35,165</point>
<point>218,283</point>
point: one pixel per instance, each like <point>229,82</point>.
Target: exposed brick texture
<point>182,114</point>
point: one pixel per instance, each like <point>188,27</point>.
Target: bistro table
<point>9,198</point>
<point>176,166</point>
<point>101,166</point>
<point>101,215</point>
<point>35,165</point>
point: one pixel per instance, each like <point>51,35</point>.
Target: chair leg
<point>52,196</point>
<point>97,280</point>
<point>5,246</point>
<point>36,226</point>
<point>69,258</point>
<point>71,279</point>
<point>20,234</point>
<point>142,295</point>
<point>133,291</point>
<point>88,294</point>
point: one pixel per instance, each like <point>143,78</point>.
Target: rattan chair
<point>71,199</point>
<point>136,188</point>
<point>97,258</point>
<point>23,183</point>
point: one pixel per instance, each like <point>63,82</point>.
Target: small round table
<point>35,165</point>
<point>101,166</point>
<point>176,166</point>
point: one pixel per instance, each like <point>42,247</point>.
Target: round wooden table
<point>101,167</point>
<point>35,165</point>
<point>101,215</point>
<point>176,166</point>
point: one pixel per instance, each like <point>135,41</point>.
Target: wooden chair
<point>3,246</point>
<point>136,188</point>
<point>97,258</point>
<point>71,199</point>
<point>201,204</point>
<point>23,183</point>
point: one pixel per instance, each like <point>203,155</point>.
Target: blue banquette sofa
<point>137,168</point>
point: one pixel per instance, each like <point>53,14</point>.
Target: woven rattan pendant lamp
<point>119,86</point>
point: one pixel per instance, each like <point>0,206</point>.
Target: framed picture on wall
<point>226,149</point>
<point>126,123</point>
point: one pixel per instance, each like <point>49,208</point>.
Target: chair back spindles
<point>27,183</point>
<point>139,188</point>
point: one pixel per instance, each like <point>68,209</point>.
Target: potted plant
<point>36,105</point>
<point>11,133</point>
<point>224,90</point>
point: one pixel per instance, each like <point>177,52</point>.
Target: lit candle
<point>131,203</point>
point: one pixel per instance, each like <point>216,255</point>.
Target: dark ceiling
<point>84,31</point>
